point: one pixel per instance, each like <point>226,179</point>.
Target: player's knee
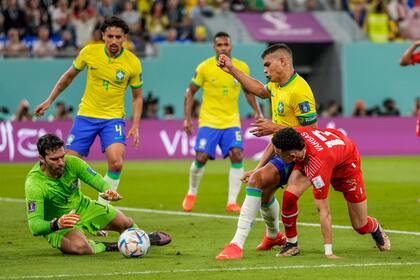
<point>201,158</point>
<point>115,165</point>
<point>256,180</point>
<point>236,155</point>
<point>80,248</point>
<point>128,223</point>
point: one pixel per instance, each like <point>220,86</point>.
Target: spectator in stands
<point>411,28</point>
<point>200,10</point>
<point>150,107</point>
<point>106,8</point>
<point>4,113</point>
<point>390,108</point>
<point>359,109</point>
<point>398,10</point>
<point>171,35</point>
<point>238,5</point>
<point>276,5</point>
<point>79,6</point>
<point>14,17</point>
<point>43,47</point>
<point>333,109</point>
<point>358,11</point>
<point>22,112</point>
<point>168,112</point>
<point>186,30</point>
<point>175,12</point>
<point>377,23</point>
<point>200,34</point>
<point>66,48</point>
<point>84,25</point>
<point>131,17</point>
<point>61,112</point>
<point>14,47</point>
<point>60,17</point>
<point>35,16</point>
<point>157,22</point>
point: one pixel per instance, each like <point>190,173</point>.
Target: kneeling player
<point>58,210</point>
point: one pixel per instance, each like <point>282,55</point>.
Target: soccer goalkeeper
<point>59,211</point>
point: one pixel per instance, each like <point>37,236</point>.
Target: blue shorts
<point>208,139</point>
<point>285,169</point>
<point>85,129</point>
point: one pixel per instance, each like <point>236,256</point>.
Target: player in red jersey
<point>411,57</point>
<point>325,156</point>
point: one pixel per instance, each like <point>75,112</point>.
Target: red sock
<point>289,213</point>
<point>370,226</point>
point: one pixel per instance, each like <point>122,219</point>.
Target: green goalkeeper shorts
<point>93,217</point>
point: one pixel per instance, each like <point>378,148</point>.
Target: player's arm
<point>188,104</point>
<point>406,58</point>
<point>64,81</point>
<point>249,84</point>
<point>137,110</point>
<point>326,225</point>
<point>250,98</point>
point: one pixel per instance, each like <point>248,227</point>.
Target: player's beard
<point>56,172</point>
<point>114,49</point>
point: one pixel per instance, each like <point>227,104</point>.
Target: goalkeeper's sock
<point>196,173</point>
<point>235,173</point>
<point>247,215</point>
<point>270,214</point>
<point>97,247</point>
<point>113,178</point>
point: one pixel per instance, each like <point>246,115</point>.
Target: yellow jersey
<point>292,104</point>
<point>219,108</point>
<point>107,80</point>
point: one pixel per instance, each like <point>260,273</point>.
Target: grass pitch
<point>393,189</point>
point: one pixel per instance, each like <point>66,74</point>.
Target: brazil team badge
<point>280,108</point>
<point>119,75</point>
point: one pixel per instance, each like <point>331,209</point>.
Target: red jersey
<point>415,58</point>
<point>330,157</point>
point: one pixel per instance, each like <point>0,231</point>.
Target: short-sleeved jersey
<point>48,198</point>
<point>292,104</point>
<point>328,154</point>
<point>219,108</point>
<point>415,58</point>
<point>107,81</point>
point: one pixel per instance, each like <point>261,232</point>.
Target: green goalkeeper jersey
<point>48,198</point>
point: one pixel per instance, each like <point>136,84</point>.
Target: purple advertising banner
<point>284,27</point>
<point>166,139</point>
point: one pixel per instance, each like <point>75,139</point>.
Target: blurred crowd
<point>51,28</point>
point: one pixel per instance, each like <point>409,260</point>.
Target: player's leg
<point>296,186</point>
<point>75,242</point>
<point>205,148</point>
<point>232,146</point>
<point>112,136</point>
<point>81,136</point>
<point>263,180</point>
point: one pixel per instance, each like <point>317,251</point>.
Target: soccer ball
<point>134,243</point>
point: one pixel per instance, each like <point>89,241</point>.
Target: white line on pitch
<point>225,269</point>
<point>205,215</point>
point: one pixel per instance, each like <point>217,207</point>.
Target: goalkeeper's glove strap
<point>54,225</point>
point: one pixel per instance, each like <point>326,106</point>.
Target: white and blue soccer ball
<point>134,243</point>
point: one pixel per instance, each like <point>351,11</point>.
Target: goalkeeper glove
<point>111,195</point>
<point>65,221</point>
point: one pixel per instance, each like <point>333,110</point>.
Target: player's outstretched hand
<point>333,257</point>
<point>246,175</point>
<point>41,108</point>
<point>225,63</point>
<point>263,127</point>
<point>68,220</point>
<point>111,195</point>
<point>134,132</point>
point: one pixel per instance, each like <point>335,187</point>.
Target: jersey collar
<point>292,78</point>
<point>118,55</point>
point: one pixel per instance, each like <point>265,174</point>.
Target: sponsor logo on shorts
<point>31,206</point>
<point>318,182</point>
<point>91,171</point>
<point>202,143</point>
<point>70,139</point>
<point>304,107</point>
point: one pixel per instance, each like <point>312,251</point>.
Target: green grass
<point>392,185</point>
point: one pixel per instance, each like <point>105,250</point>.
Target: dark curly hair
<point>48,142</point>
<point>288,139</point>
<point>115,22</point>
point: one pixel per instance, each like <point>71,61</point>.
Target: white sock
<point>235,175</point>
<point>196,173</point>
<point>270,214</point>
<point>114,182</point>
<point>247,216</point>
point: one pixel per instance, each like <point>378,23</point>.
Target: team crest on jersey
<point>70,139</point>
<point>304,107</point>
<point>119,75</point>
<point>74,184</point>
<point>235,81</point>
<point>280,107</point>
<point>31,206</point>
